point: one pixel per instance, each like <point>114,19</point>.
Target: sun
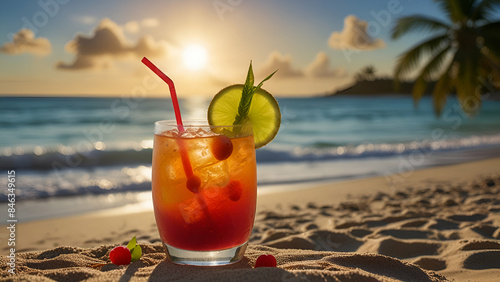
<point>195,57</point>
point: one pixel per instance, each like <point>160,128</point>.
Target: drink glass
<point>204,194</point>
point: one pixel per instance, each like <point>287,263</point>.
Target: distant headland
<point>379,86</point>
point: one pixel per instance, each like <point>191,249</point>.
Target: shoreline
<point>271,198</point>
<point>40,209</point>
<point>438,221</point>
<point>335,192</point>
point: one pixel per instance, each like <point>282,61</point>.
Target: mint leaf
<point>247,95</point>
<point>135,250</point>
<point>136,253</point>
<point>131,245</point>
<point>265,79</point>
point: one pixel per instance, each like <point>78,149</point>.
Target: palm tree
<point>366,73</point>
<point>369,72</point>
<point>462,55</point>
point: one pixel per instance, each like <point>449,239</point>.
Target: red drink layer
<point>220,215</point>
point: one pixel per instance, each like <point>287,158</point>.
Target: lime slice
<point>264,113</point>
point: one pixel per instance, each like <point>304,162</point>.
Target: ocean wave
<point>67,157</point>
<point>318,153</point>
<point>54,121</point>
<point>105,172</point>
<point>39,185</point>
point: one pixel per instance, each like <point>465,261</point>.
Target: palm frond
<point>435,63</point>
<point>491,60</point>
<point>491,39</point>
<point>466,8</point>
<point>417,23</point>
<point>493,81</point>
<point>490,29</point>
<point>443,87</point>
<point>445,7</point>
<point>427,72</point>
<point>418,89</point>
<point>409,60</point>
<point>485,10</point>
<point>468,84</point>
<point>457,10</point>
<point>489,79</point>
<point>475,66</point>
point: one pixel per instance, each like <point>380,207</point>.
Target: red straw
<point>193,182</point>
<point>173,94</point>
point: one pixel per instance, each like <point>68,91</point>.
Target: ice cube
<point>192,211</point>
<point>199,152</point>
<point>174,169</point>
<point>189,132</point>
<point>213,174</point>
<point>195,132</point>
<point>239,159</point>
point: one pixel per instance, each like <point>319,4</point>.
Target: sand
<point>435,224</point>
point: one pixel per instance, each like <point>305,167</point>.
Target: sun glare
<point>195,57</point>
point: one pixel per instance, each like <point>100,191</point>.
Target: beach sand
<point>435,224</point>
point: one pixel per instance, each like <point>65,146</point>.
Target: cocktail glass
<point>204,184</point>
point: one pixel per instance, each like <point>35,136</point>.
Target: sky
<point>94,48</point>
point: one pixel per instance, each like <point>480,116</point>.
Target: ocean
<point>97,151</point>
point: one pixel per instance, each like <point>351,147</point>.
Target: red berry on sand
<point>120,255</point>
<point>234,190</point>
<point>222,147</point>
<point>265,261</point>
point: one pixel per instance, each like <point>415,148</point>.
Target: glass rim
<point>195,123</point>
<point>231,131</point>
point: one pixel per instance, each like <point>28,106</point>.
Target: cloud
<point>354,36</point>
<point>106,44</point>
<point>135,26</point>
<point>150,22</point>
<point>25,42</point>
<point>85,62</point>
<point>132,27</point>
<point>320,67</point>
<point>282,62</point>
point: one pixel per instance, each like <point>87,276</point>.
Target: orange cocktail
<point>204,190</point>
